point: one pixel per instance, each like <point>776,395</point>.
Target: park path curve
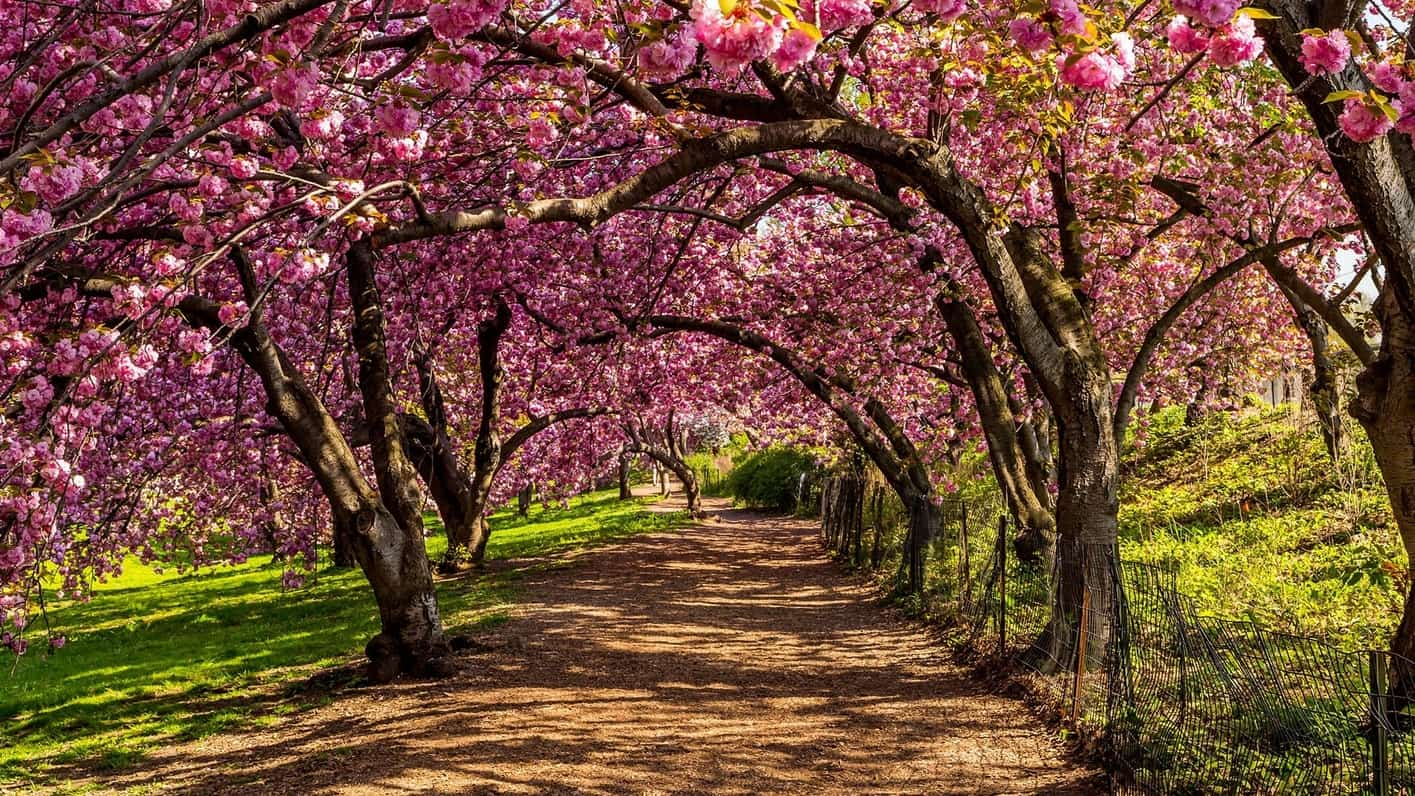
<point>728,657</point>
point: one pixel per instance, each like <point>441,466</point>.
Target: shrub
<point>770,478</point>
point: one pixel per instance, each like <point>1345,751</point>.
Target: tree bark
<point>1010,465</point>
<point>466,545</point>
<point>523,499</point>
<point>1322,389</point>
<point>624,492</point>
<point>1385,407</point>
<point>1378,177</point>
<point>391,555</point>
<point>388,538</point>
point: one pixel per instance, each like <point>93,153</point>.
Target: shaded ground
<point>729,657</point>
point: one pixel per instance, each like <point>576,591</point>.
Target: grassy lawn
<point>155,658</point>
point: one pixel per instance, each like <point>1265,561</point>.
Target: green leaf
<point>1341,96</point>
<point>1255,13</point>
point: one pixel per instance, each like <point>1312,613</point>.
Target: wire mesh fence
<point>1177,702</point>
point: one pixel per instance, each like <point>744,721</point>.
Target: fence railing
<point>1177,701</point>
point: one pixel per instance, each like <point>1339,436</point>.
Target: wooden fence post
<point>1080,655</point>
<point>1380,773</point>
<point>1002,584</point>
<point>965,573</point>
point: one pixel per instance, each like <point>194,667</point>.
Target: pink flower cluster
<point>831,15</point>
<point>1230,38</point>
<point>736,39</point>
<point>1325,54</point>
<point>670,56</point>
<point>946,10</point>
<point>1099,71</point>
<point>54,183</point>
<point>458,19</point>
<point>1236,43</point>
<point>1213,13</point>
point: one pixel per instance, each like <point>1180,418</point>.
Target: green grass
<point>155,658</point>
<point>1260,524</point>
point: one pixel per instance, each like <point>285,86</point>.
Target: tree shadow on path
<point>729,657</point>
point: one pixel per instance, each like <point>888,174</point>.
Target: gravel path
<point>729,657</point>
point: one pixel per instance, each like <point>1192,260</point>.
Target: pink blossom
<point>831,15</point>
<point>243,168</point>
<point>1096,70</point>
<point>456,76</point>
<point>1325,54</point>
<point>409,147</point>
<point>28,225</point>
<point>1236,44</point>
<point>458,19</point>
<point>198,235</point>
<point>541,133</point>
<point>1030,33</point>
<point>733,41</point>
<point>291,87</point>
<point>53,183</point>
<point>211,186</point>
<point>165,263</point>
<point>397,119</point>
<point>230,313</point>
<point>323,125</point>
<point>1210,12</point>
<point>1387,77</point>
<point>1363,122</point>
<point>797,47</point>
<point>946,10</point>
<point>1069,17</point>
<point>1184,38</point>
<point>669,56</point>
<point>304,265</point>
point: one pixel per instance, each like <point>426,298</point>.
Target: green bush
<point>770,478</point>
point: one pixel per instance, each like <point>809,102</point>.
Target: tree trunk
<point>1323,387</point>
<point>343,557</point>
<point>466,543</point>
<point>1028,506</point>
<point>923,524</point>
<point>523,499</point>
<point>1085,570</point>
<point>388,538</point>
<point>624,492</point>
<point>1385,407</point>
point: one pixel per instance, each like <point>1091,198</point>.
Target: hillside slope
<point>1262,525</point>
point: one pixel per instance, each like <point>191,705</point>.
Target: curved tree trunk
<point>625,493</point>
<point>1015,474</point>
<point>1379,178</point>
<point>1385,407</point>
<point>390,552</point>
<point>1322,390</point>
<point>388,538</point>
<point>466,546</point>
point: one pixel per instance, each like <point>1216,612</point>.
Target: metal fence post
<point>1380,773</point>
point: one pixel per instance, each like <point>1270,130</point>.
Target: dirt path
<point>729,657</point>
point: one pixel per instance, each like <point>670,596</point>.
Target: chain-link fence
<point>1176,701</point>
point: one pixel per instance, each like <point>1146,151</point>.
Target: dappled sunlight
<point>728,658</point>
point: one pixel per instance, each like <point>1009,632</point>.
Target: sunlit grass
<point>161,657</point>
